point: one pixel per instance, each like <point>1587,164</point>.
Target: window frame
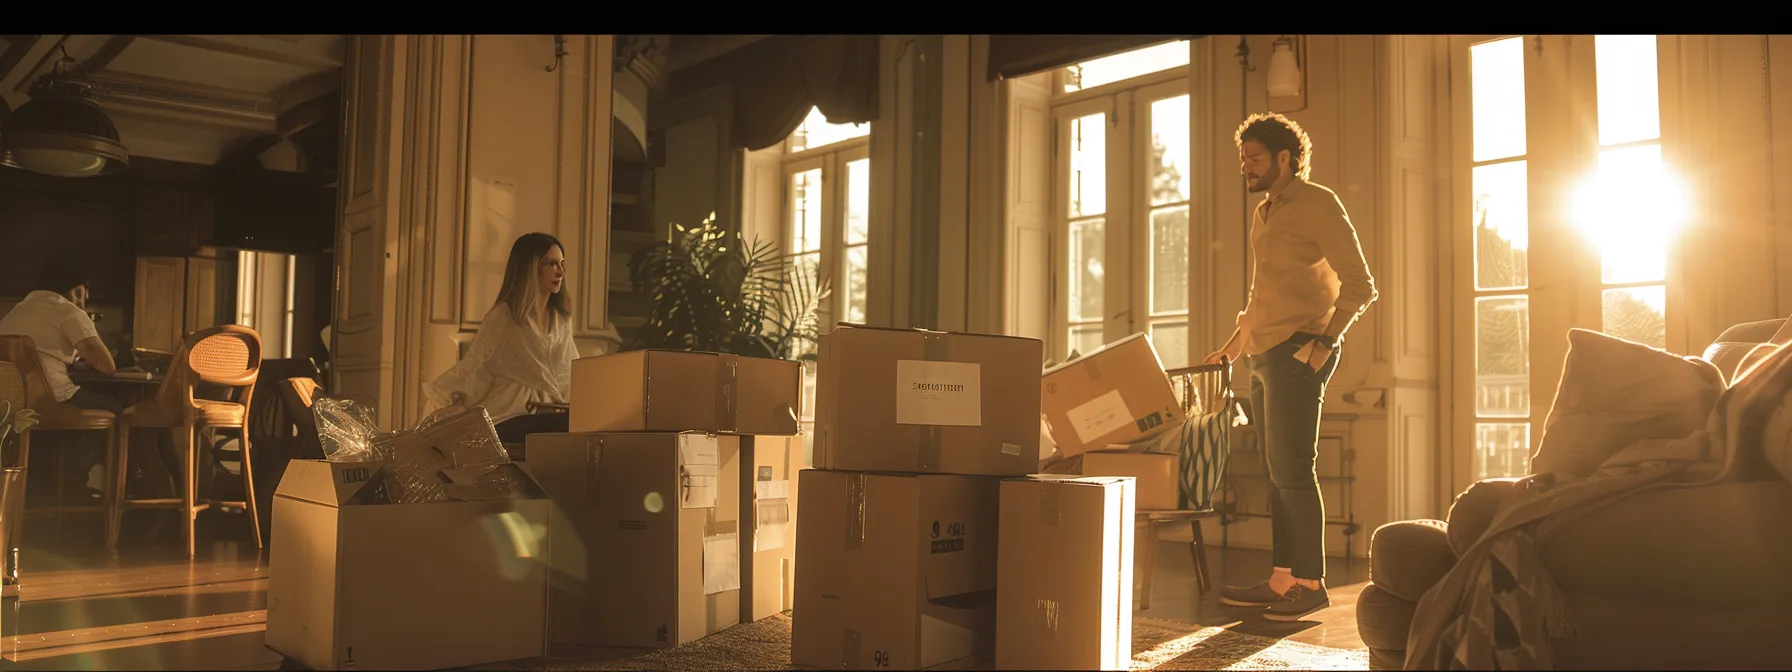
<point>1126,303</point>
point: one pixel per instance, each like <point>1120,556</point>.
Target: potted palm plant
<point>712,291</point>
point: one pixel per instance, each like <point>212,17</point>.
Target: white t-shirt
<point>55,324</point>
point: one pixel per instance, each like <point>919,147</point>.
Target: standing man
<point>1309,283</point>
<point>55,317</point>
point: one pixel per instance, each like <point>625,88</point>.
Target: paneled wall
<point>456,145</point>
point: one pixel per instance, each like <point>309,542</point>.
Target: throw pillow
<point>1765,383</point>
<point>1614,393</point>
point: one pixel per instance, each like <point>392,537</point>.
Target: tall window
<point>827,173</point>
<point>264,299</point>
<point>1633,207</point>
<point>1623,202</point>
<point>1123,153</point>
<point>1501,225</point>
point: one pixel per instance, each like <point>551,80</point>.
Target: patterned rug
<point>1157,644</point>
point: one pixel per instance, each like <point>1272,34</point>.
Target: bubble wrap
<point>347,431</point>
<point>454,455</point>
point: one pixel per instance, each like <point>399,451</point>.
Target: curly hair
<point>1277,133</point>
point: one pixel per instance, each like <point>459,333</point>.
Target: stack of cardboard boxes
<point>924,530</point>
<point>657,503</point>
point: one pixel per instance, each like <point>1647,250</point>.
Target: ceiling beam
<point>304,115</point>
<point>223,44</point>
<point>107,53</point>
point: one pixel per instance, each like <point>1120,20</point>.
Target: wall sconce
<point>1287,77</point>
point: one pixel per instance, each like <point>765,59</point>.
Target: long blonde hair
<point>522,280</point>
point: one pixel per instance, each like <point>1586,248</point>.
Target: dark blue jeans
<point>1287,396</point>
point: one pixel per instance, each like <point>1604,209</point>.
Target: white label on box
<point>771,489</point>
<point>697,473</point>
<point>939,393</point>
<point>1093,419</point>
<point>721,563</point>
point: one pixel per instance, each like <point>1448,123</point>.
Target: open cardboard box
<point>356,583</point>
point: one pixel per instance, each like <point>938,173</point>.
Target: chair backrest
<point>227,355</point>
<point>296,395</point>
<point>35,389</point>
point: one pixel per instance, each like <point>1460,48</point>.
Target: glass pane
<point>1085,338</point>
<point>815,131</point>
<point>1631,211</point>
<point>1125,65</point>
<point>1629,93</point>
<point>1169,259</point>
<point>805,211</point>
<point>1503,357</point>
<point>1502,226</point>
<point>1169,150</point>
<point>1088,243</point>
<point>1171,341</point>
<point>1637,314</point>
<point>1496,73</point>
<point>1502,449</point>
<point>856,265</point>
<point>1089,165</point>
<point>858,201</point>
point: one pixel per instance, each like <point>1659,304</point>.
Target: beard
<point>1261,183</point>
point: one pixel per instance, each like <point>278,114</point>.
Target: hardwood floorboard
<point>148,607</point>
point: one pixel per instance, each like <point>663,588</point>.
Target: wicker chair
<point>227,355</point>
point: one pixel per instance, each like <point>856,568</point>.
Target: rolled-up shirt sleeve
<point>1339,245</point>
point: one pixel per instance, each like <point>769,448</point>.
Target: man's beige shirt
<point>1306,265</point>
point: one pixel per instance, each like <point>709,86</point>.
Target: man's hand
<point>1218,355</point>
<point>1314,354</point>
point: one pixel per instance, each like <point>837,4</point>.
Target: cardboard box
<point>674,391</point>
<point>927,402</point>
<point>1065,596</point>
<point>898,570</point>
<point>354,585</point>
<point>1157,474</point>
<point>1116,394</point>
<point>768,498</point>
<point>648,532</point>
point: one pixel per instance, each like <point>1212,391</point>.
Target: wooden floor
<point>150,608</point>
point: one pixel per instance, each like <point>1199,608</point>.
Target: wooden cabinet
<point>175,296</point>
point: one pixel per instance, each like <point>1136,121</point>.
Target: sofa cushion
<point>1383,620</point>
<point>1771,457</point>
<point>1639,633</point>
<point>1472,512</point>
<point>1408,557</point>
<point>1614,393</point>
<point>1720,546</point>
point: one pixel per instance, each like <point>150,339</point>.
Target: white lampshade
<point>1284,72</point>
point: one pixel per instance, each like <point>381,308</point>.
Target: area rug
<point>1157,644</point>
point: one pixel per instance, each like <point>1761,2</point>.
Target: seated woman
<point>524,349</point>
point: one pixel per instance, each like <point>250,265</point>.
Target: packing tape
<point>1128,490</point>
<point>855,510</point>
<point>933,350</point>
<point>727,392</point>
<point>594,453</point>
<point>849,650</point>
<point>1051,499</point>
